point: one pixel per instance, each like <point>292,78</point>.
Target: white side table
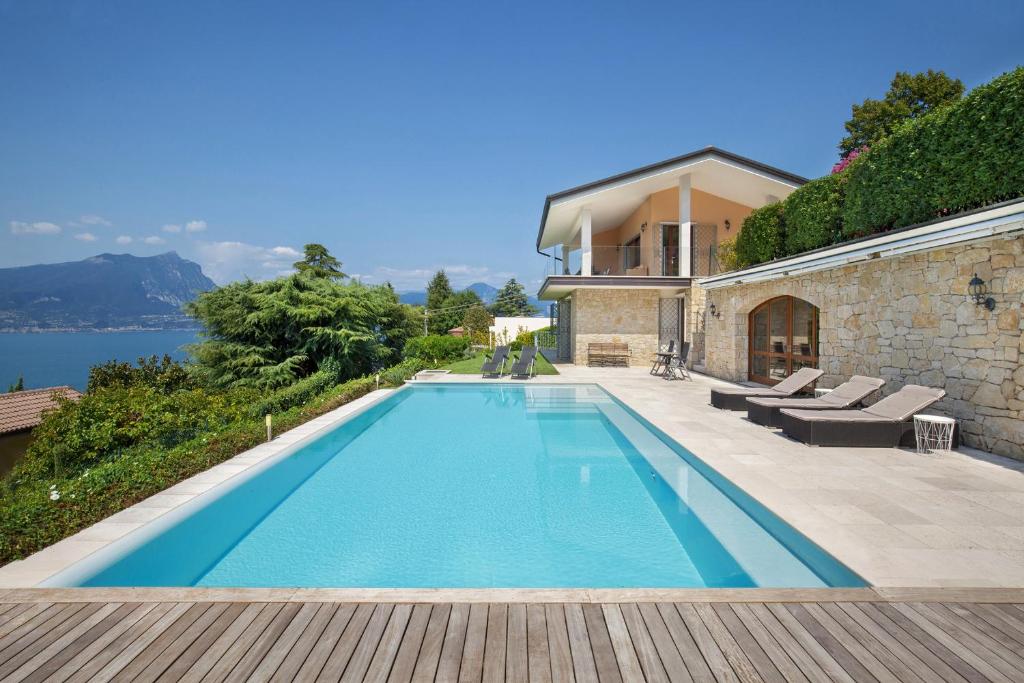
<point>934,432</point>
<point>818,393</point>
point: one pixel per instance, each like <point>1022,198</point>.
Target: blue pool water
<point>473,486</point>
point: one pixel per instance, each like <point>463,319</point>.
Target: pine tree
<point>511,300</point>
<point>438,290</point>
<point>319,263</point>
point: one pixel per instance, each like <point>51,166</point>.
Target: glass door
<point>783,339</point>
<point>670,249</point>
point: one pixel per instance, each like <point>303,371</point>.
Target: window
<point>783,339</point>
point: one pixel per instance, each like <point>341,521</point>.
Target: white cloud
<point>224,262</point>
<point>85,237</point>
<point>124,239</point>
<point>93,219</point>
<point>195,226</point>
<point>155,239</point>
<point>460,275</point>
<point>172,228</point>
<point>38,228</point>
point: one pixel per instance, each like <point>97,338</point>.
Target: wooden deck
<point>657,641</point>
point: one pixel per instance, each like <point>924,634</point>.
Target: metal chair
<point>677,369</point>
<point>661,358</point>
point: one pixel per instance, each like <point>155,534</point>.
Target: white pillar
<point>586,257</point>
<point>565,258</point>
<point>685,230</point>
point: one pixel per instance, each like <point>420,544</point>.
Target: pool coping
<point>56,558</point>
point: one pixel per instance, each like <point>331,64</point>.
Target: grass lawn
<point>471,366</point>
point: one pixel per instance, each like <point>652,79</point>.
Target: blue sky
<point>407,136</point>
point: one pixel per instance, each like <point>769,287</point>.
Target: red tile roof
<point>22,410</point>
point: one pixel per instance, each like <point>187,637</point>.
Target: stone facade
<point>907,320</point>
<point>615,315</point>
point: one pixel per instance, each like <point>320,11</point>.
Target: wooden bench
<point>608,354</point>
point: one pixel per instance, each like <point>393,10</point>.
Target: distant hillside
<point>485,291</point>
<point>105,291</point>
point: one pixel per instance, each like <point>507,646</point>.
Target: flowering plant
<point>848,159</point>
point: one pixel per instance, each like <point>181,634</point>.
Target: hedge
<point>30,520</point>
<point>813,214</point>
<point>963,156</point>
<point>436,348</point>
<point>762,238</point>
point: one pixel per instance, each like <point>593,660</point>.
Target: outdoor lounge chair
<point>765,411</point>
<point>736,399</point>
<point>662,358</point>
<point>676,368</point>
<point>495,365</point>
<point>888,423</point>
<point>524,366</point>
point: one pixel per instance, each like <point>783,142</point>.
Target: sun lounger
<point>765,411</point>
<point>495,365</point>
<point>523,368</point>
<point>736,399</point>
<point>888,423</point>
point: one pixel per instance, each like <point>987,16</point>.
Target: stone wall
<point>906,320</point>
<point>615,315</point>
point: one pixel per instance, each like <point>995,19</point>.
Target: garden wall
<point>615,315</point>
<point>907,320</point>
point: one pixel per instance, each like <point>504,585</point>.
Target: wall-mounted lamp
<point>977,289</point>
<point>643,226</point>
<point>728,224</point>
<point>713,310</point>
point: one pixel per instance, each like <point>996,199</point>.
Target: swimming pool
<point>472,485</point>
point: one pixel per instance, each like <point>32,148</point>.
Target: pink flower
<point>848,159</point>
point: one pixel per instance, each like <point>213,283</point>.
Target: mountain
<point>486,292</point>
<point>101,292</point>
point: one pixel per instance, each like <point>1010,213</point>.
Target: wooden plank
<point>732,629</point>
<point>666,648</point>
<point>886,611</point>
<point>1008,663</point>
<point>124,648</point>
<point>289,669</point>
<point>584,668</point>
<point>834,647</point>
<point>60,648</point>
<point>789,669</point>
<point>643,644</point>
<point>230,646</point>
<point>280,648</point>
<point>494,645</point>
<point>202,644</point>
<point>866,647</point>
<point>41,639</point>
<point>361,657</point>
<point>471,668</point>
<point>517,658</point>
<point>814,661</point>
<point>537,644</point>
<point>326,643</point>
<point>701,614</point>
<point>105,642</point>
<point>349,639</point>
<point>134,659</point>
<point>994,638</point>
<point>454,640</point>
<point>66,648</point>
<point>558,644</point>
<point>6,607</point>
<point>998,618</point>
<point>409,650</point>
<point>716,660</point>
<point>622,644</point>
<point>34,628</point>
<point>915,655</point>
<point>693,659</point>
<point>433,639</point>
<point>390,641</point>
<point>156,658</point>
<point>27,613</point>
<point>601,644</point>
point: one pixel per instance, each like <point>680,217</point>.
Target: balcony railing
<point>635,262</point>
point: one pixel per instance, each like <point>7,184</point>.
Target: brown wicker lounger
<point>765,411</point>
<point>736,399</point>
<point>887,423</point>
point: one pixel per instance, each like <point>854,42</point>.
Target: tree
<point>318,263</point>
<point>476,321</point>
<point>511,300</point>
<point>451,311</point>
<point>910,96</point>
<point>269,334</point>
<point>438,290</point>
<point>17,386</point>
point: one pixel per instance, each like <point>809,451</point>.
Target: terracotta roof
<point>22,410</point>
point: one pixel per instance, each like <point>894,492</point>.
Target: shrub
<point>436,348</point>
<point>813,214</point>
<point>300,392</point>
<point>761,238</point>
<point>397,375</point>
<point>726,255</point>
<point>524,338</point>
<point>165,375</point>
<point>961,156</point>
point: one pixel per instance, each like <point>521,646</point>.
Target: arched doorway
<point>783,339</point>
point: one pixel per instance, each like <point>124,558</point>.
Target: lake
<point>47,359</point>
